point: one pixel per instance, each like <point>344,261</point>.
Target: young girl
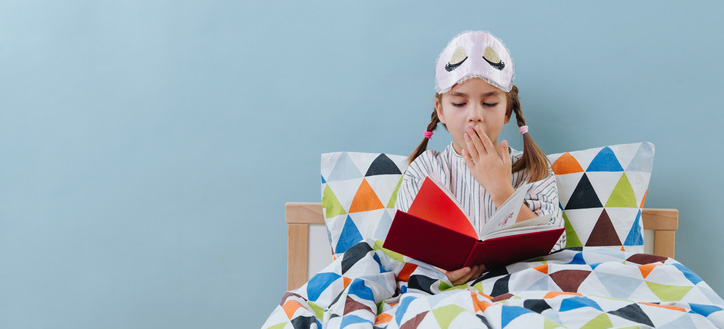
<point>475,98</point>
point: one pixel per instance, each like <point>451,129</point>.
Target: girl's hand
<point>464,274</point>
<point>490,166</point>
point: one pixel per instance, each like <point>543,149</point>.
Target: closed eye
<point>484,104</point>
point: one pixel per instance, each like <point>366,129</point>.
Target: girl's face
<point>473,102</point>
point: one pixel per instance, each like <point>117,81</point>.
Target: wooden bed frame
<point>299,215</point>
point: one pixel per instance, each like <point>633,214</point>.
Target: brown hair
<point>533,158</point>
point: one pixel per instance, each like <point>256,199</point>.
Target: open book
<point>437,231</point>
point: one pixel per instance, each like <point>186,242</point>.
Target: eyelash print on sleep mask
<point>474,54</point>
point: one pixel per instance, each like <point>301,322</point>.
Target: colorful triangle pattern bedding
<point>358,195</point>
<point>593,287</point>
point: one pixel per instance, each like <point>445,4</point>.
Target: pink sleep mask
<point>474,54</point>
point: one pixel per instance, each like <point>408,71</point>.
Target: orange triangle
<point>646,269</point>
<point>479,305</point>
<point>622,248</point>
<point>643,199</point>
<point>365,199</point>
<point>553,294</point>
<point>406,271</point>
<point>346,281</point>
<point>290,307</point>
<point>566,164</point>
<point>670,307</point>
<point>542,268</point>
<point>383,318</point>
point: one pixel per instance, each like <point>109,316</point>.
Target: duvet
<point>592,287</point>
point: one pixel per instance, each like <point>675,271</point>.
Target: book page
<point>507,213</point>
<point>530,225</point>
<point>434,203</point>
<point>449,193</point>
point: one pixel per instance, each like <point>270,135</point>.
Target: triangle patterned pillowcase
<point>359,191</point>
<point>602,191</point>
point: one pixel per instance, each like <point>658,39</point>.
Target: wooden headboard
<point>299,215</point>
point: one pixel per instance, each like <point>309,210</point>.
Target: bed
<point>305,233</point>
<point>634,282</point>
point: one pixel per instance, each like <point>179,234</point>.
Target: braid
<point>533,158</point>
<point>423,145</point>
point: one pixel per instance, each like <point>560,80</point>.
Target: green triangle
<point>331,204</point>
<point>279,326</point>
<point>572,239</point>
<point>550,324</point>
<point>668,293</point>
<point>479,287</point>
<point>623,195</point>
<point>444,286</point>
<point>393,255</point>
<point>601,321</point>
<point>318,311</point>
<point>393,199</point>
<point>446,314</point>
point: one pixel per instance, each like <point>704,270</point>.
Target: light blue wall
<point>148,147</point>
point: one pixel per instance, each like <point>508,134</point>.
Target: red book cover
<point>436,230</point>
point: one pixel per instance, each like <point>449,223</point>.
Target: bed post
<point>297,251</point>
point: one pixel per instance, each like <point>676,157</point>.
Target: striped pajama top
<point>450,169</point>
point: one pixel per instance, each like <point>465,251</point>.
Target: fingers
<point>456,275</point>
<point>479,272</point>
<point>474,138</point>
<point>484,139</point>
<point>465,274</point>
<point>505,152</point>
<point>470,146</point>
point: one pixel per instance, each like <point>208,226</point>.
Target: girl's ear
<point>438,109</point>
<point>507,119</point>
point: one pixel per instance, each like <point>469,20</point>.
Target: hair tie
<point>523,130</point>
<point>427,134</point>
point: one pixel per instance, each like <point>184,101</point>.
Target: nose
<point>475,113</point>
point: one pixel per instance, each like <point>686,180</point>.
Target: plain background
<point>148,147</point>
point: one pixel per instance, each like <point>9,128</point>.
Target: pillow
<point>359,191</point>
<point>601,192</point>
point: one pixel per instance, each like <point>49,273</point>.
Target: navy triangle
<point>420,282</point>
<point>383,166</point>
<point>584,196</point>
<point>304,321</point>
<point>483,320</point>
<point>605,160</point>
<point>536,305</point>
<point>353,254</point>
<point>501,286</point>
<point>633,312</point>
